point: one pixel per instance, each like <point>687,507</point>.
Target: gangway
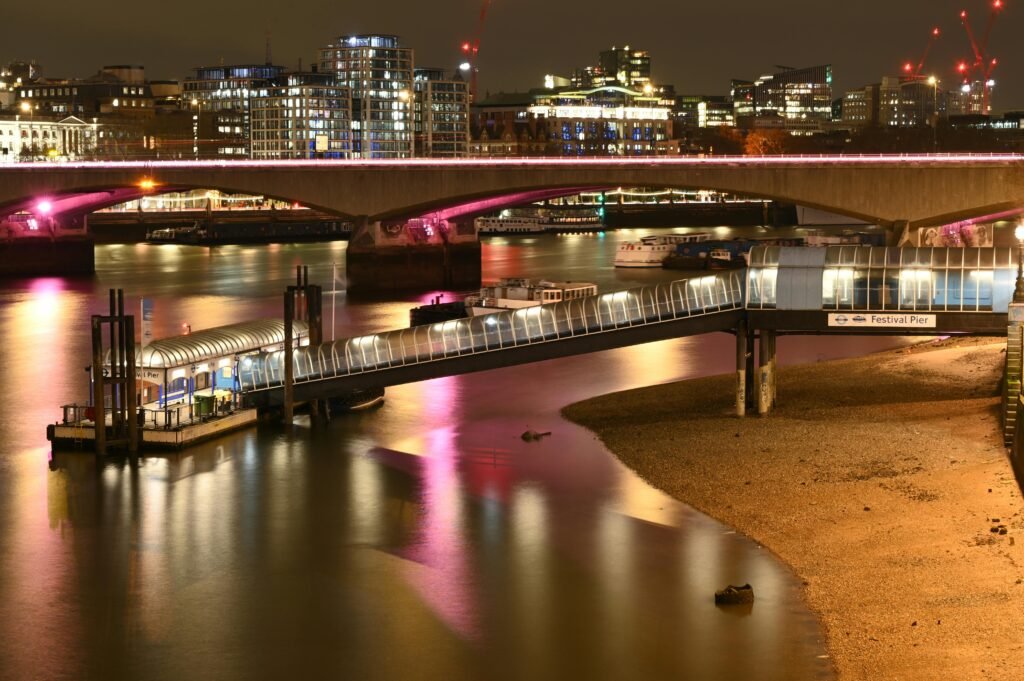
<point>834,290</point>
<point>701,304</point>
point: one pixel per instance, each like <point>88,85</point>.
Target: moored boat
<point>651,251</point>
<point>514,293</point>
<point>512,225</point>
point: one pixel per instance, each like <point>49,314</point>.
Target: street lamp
<point>195,127</point>
<point>934,82</point>
<point>1018,291</point>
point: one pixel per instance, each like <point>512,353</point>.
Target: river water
<point>422,540</point>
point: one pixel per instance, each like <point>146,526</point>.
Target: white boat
<point>651,251</point>
<point>514,293</point>
<point>512,225</point>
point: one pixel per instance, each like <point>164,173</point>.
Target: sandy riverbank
<point>878,479</point>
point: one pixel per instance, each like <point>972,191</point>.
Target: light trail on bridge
<point>807,160</point>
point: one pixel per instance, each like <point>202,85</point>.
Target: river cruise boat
<point>562,222</point>
<point>651,251</point>
<point>514,293</point>
<point>512,225</point>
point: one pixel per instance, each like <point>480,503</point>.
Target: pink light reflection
<point>446,585</point>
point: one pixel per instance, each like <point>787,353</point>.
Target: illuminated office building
<point>440,114</point>
<point>799,99</point>
<point>618,66</point>
<point>378,72</point>
<point>300,115</point>
<point>218,99</point>
<point>608,121</point>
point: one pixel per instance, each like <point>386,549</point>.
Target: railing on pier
<point>692,297</point>
<point>151,417</point>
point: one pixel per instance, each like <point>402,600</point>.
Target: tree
<point>765,142</point>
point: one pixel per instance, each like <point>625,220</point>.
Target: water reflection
<point>423,540</point>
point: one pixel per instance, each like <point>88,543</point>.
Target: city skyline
<point>696,49</point>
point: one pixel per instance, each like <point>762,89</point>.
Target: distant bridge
<point>893,191</point>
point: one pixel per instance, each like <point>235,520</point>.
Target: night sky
<point>697,46</point>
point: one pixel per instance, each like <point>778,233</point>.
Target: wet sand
<point>879,480</point>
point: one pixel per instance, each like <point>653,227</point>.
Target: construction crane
<point>909,68</point>
<point>983,65</point>
<point>471,48</point>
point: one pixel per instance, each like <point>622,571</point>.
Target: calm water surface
<point>423,540</point>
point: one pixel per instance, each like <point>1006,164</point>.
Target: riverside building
<point>797,100</point>
<point>300,115</point>
<point>378,72</point>
<point>218,99</point>
<point>440,114</point>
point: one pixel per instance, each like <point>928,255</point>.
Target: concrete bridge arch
<point>917,191</point>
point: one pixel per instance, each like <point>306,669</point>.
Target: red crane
<point>909,68</point>
<point>983,65</point>
<point>471,48</point>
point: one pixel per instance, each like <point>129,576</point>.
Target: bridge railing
<point>696,296</point>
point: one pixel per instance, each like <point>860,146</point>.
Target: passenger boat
<point>177,235</point>
<point>562,222</point>
<point>512,225</point>
<point>651,251</point>
<point>514,293</point>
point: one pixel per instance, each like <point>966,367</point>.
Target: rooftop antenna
<point>269,59</point>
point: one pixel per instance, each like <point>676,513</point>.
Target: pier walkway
<point>835,290</point>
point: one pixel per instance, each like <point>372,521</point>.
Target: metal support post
<point>741,369</point>
<point>289,369</point>
<point>749,390</point>
<point>765,371</point>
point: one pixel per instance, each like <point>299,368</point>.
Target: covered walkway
<point>837,290</point>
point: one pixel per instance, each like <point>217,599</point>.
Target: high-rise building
<point>441,114</point>
<point>703,111</point>
<point>860,107</point>
<point>907,102</point>
<point>801,99</point>
<point>300,115</point>
<point>218,97</point>
<point>629,68</point>
<point>621,66</point>
<point>379,74</point>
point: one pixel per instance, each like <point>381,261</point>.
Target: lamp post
<point>934,82</point>
<point>195,127</point>
<point>1018,290</point>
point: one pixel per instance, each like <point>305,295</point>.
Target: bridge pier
<point>57,245</point>
<point>418,255</point>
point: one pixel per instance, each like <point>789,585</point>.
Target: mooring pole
<point>134,426</point>
<point>314,301</point>
<point>289,390</point>
<point>99,412</point>
<point>114,363</point>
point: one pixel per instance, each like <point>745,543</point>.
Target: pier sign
<point>897,320</point>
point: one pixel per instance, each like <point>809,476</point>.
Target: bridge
<point>835,290</point>
<point>914,190</point>
<point>901,193</point>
